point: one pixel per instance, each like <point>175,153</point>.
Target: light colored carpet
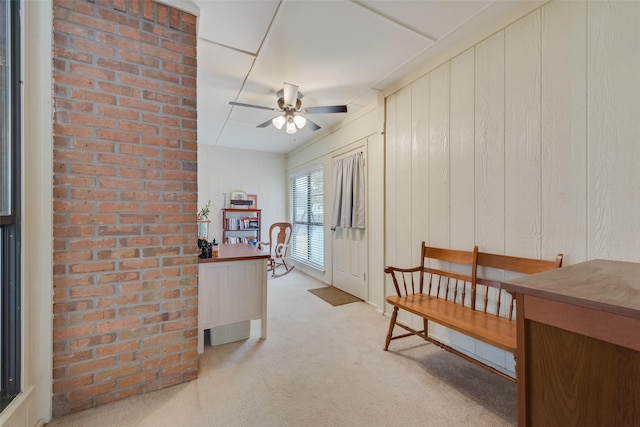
<point>319,366</point>
<point>334,296</point>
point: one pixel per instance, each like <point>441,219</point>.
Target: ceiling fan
<point>290,105</point>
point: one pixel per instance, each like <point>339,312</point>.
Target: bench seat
<point>461,290</point>
<point>497,331</point>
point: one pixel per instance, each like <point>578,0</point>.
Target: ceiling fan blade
<point>290,94</point>
<point>325,110</point>
<point>240,104</point>
<point>311,125</point>
<point>265,124</point>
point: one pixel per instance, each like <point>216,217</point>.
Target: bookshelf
<point>241,225</point>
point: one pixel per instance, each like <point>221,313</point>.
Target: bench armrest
<point>409,278</point>
<point>390,269</point>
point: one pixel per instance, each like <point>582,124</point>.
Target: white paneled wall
<point>613,130</point>
<point>528,144</point>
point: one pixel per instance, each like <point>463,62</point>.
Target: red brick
<point>119,136</point>
<point>60,386</point>
<point>92,194</point>
<point>118,324</point>
<point>74,80</point>
<point>77,331</point>
<point>141,105</point>
<point>140,173</point>
<point>74,256</point>
<point>93,47</point>
<point>117,372</point>
<point>119,277</point>
<point>99,97</point>
<point>117,348</point>
<point>80,69</point>
<point>140,332</point>
<point>139,36</point>
<point>137,264</point>
<point>123,113</point>
<point>178,111</point>
<point>91,341</point>
<point>118,89</point>
<point>93,243</point>
<point>140,241</point>
<point>114,40</point>
<point>90,391</point>
<point>118,65</point>
<point>160,119</point>
<point>85,218</point>
<point>91,291</point>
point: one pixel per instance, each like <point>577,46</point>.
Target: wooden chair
<point>279,238</point>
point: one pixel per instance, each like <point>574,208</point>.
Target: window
<point>307,211</point>
<point>10,315</point>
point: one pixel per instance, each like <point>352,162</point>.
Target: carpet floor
<point>320,365</point>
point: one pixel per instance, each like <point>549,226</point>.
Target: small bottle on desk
<point>216,248</point>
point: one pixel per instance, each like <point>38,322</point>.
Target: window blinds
<point>307,212</point>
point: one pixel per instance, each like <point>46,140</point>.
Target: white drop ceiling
<point>337,52</point>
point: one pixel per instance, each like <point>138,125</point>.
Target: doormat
<point>333,295</point>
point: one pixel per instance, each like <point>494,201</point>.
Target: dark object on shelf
<point>242,202</point>
<point>206,249</point>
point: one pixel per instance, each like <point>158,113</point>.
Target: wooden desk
<point>578,357</point>
<point>232,288</point>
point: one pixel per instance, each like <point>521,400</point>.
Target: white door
<point>349,248</point>
<point>350,261</point>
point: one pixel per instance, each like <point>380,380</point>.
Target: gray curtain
<point>349,195</point>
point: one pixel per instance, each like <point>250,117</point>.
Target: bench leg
<point>392,323</point>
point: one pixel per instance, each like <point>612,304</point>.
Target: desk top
<point>610,286</point>
<point>238,252</point>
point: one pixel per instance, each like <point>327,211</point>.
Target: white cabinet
<point>232,291</point>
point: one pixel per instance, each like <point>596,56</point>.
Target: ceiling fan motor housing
<point>285,107</point>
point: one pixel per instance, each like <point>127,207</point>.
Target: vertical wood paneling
<point>439,182</point>
<point>522,137</point>
<point>419,165</point>
<point>462,130</point>
<point>613,130</point>
<point>404,184</point>
<point>390,189</point>
<point>462,164</point>
<point>564,138</point>
<point>489,154</point>
<point>403,173</point>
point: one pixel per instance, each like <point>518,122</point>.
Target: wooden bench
<point>454,288</point>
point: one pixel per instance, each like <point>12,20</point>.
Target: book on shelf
<point>246,223</point>
<point>234,240</point>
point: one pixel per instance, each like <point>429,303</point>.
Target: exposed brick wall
<point>125,200</point>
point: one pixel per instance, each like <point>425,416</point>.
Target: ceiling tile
<point>237,24</point>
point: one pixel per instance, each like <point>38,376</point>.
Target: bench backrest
<point>468,278</point>
<point>507,264</point>
<point>448,273</point>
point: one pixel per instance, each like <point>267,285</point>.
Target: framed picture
<point>254,198</point>
<point>238,195</point>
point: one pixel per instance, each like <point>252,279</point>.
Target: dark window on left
<point>10,203</point>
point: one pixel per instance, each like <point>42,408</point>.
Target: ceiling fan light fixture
<point>299,121</point>
<point>291,127</point>
<point>278,122</point>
